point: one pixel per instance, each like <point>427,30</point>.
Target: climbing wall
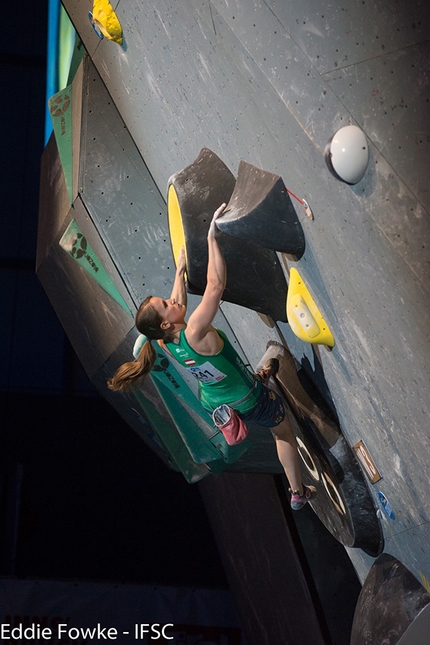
<point>269,84</point>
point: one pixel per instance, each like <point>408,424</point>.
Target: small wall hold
<point>105,21</point>
<point>261,211</point>
<point>347,154</point>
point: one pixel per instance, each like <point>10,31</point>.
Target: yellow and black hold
<point>255,278</point>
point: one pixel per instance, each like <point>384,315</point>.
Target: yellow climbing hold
<point>304,316</point>
<point>176,227</point>
<point>107,21</point>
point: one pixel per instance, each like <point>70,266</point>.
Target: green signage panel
<point>76,244</point>
<point>60,107</point>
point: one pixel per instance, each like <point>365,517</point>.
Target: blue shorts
<point>269,411</point>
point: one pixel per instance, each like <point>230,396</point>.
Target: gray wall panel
<point>335,34</point>
<point>395,115</point>
<point>93,321</point>
<point>77,96</point>
<point>122,198</point>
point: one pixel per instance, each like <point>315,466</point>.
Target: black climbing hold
<point>255,278</point>
<point>260,210</point>
<point>393,607</point>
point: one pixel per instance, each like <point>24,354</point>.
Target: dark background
<point>82,497</point>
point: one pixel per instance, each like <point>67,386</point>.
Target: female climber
<point>222,375</point>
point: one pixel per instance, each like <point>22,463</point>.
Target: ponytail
<point>131,375</point>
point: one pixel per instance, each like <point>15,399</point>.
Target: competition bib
<point>207,373</point>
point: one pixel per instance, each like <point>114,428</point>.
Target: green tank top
<point>223,378</point>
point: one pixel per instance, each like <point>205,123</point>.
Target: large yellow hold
<point>107,20</point>
<point>176,227</point>
<point>305,318</point>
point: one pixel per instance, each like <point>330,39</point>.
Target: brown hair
<point>131,375</point>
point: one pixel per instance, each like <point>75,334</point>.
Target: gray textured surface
<point>272,609</point>
<point>270,83</point>
<point>418,632</point>
<point>392,603</point>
